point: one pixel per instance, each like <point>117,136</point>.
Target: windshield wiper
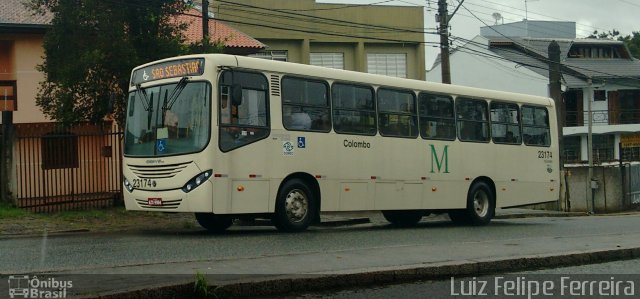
<point>143,96</point>
<point>176,93</point>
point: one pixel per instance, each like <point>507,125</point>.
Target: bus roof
<point>290,68</point>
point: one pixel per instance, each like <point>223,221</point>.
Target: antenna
<point>497,16</point>
<point>526,8</point>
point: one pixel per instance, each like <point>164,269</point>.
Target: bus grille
<point>158,171</point>
<point>166,205</point>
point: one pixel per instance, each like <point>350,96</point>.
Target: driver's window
<point>244,119</point>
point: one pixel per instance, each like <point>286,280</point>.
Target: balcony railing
<point>602,117</point>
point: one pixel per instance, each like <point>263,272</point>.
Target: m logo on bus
<point>440,161</point>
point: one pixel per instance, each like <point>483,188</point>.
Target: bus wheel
<point>481,206</point>
<point>214,223</point>
<point>403,218</point>
<point>294,207</point>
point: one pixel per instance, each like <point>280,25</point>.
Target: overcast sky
<point>589,15</point>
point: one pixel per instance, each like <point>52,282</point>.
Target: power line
<point>341,7</point>
<point>318,18</point>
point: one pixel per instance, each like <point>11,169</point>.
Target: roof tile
<point>217,30</point>
<point>15,12</point>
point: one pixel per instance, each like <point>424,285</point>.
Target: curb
<point>285,284</point>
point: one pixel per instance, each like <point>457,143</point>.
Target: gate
<point>631,185</point>
<point>58,170</point>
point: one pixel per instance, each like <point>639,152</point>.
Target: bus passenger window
<point>505,123</point>
<point>473,120</point>
<point>535,126</point>
<point>397,116</point>
<point>354,110</point>
<point>305,105</point>
<point>436,117</point>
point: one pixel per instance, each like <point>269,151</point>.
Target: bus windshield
<point>168,119</point>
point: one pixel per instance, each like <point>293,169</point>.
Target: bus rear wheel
<point>481,206</point>
<point>214,223</point>
<point>295,207</point>
<point>403,218</point>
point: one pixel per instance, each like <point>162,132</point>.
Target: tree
<point>633,43</point>
<point>92,47</point>
<point>604,35</point>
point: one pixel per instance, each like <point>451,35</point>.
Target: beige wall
<point>21,58</point>
<point>354,43</point>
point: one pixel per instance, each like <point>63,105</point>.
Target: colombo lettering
<point>356,144</point>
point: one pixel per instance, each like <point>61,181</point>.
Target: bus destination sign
<point>170,69</point>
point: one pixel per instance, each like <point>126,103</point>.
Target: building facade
<point>387,40</point>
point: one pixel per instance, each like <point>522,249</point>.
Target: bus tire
<point>481,206</point>
<point>214,223</point>
<point>295,206</point>
<point>405,218</point>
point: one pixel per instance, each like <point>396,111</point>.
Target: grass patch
<point>8,211</point>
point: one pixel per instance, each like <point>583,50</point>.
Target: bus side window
<point>354,109</point>
<point>535,126</point>
<point>473,120</point>
<point>436,117</point>
<point>246,119</point>
<point>305,105</point>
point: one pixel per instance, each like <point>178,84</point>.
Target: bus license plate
<point>154,201</point>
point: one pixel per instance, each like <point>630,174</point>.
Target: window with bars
<point>394,65</point>
<point>330,60</point>
<point>279,55</point>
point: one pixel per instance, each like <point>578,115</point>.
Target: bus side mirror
<point>236,95</point>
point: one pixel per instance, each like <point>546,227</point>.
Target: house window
<point>572,148</point>
<point>279,55</point>
<point>59,150</point>
<point>603,147</point>
<point>330,60</point>
<point>394,65</point>
<point>599,95</point>
<point>8,96</point>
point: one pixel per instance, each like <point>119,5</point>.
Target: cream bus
<point>228,137</point>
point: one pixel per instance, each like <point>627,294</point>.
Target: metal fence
<point>632,185</point>
<point>59,170</point>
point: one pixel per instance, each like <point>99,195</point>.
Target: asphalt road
<point>621,271</point>
<point>265,253</point>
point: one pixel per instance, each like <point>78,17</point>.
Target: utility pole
<point>555,92</point>
<point>590,182</point>
<point>444,41</point>
<point>205,24</point>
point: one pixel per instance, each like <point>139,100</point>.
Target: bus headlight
<point>128,185</point>
<point>197,181</point>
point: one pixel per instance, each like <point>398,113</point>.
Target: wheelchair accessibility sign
<point>161,145</point>
<point>301,142</point>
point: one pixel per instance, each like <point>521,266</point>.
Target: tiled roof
<point>217,31</point>
<point>13,12</point>
<point>576,70</point>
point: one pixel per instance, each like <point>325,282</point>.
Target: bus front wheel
<point>403,218</point>
<point>214,223</point>
<point>481,206</point>
<point>294,207</point>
